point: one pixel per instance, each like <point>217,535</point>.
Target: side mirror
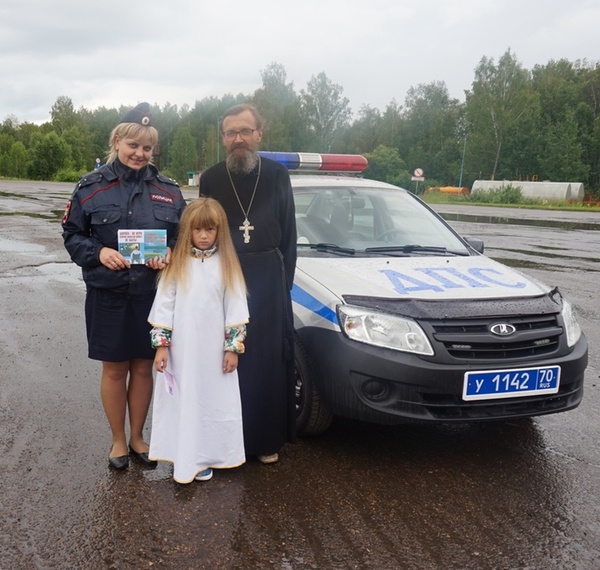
<point>475,243</point>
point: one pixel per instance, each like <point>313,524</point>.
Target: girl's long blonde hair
<point>204,213</point>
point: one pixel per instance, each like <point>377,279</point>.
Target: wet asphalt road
<point>517,495</point>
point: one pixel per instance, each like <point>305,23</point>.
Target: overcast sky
<point>114,52</point>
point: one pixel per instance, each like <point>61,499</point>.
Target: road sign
<point>417,178</point>
<point>418,172</point>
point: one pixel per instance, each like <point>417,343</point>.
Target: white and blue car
<point>399,318</point>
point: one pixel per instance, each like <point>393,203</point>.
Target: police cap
<point>139,114</point>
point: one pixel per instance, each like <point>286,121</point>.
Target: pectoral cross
<point>246,227</point>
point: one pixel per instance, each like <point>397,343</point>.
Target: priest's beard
<point>241,160</point>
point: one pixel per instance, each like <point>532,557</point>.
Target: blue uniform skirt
<point>117,325</point>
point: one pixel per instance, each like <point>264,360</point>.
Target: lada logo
<point>502,329</point>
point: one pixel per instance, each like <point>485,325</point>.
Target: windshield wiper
<point>329,248</point>
<point>411,248</point>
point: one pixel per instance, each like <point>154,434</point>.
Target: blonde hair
<point>129,131</point>
<point>204,213</point>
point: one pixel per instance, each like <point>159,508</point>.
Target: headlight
<point>569,316</point>
<point>380,329</point>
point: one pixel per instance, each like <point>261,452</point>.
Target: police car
<point>399,318</point>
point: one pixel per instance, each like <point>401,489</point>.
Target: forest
<point>514,124</point>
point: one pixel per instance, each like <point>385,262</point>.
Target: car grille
<point>442,401</point>
<point>535,335</point>
<point>452,407</point>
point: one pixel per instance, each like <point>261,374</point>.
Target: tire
<point>312,418</point>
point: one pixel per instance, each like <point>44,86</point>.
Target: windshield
<point>370,221</point>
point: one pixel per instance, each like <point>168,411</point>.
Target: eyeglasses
<point>244,133</point>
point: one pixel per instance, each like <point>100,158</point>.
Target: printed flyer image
<point>138,246</point>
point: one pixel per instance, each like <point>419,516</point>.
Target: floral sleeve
<point>160,337</point>
<point>234,339</point>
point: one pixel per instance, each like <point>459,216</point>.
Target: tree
<point>500,96</point>
<point>324,110</point>
<point>49,154</point>
<point>166,121</point>
<point>10,126</point>
<point>184,157</point>
<point>278,103</point>
<point>595,164</point>
<point>364,134</point>
<point>99,123</point>
<point>63,115</point>
<point>514,124</point>
<point>204,121</point>
<point>276,95</point>
<point>430,137</point>
<point>6,141</point>
<point>392,125</point>
<point>13,164</point>
<point>386,165</point>
<point>81,148</point>
<point>522,147</point>
<point>27,132</point>
<point>558,88</point>
<point>569,91</point>
<point>561,158</point>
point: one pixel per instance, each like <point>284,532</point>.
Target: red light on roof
<point>344,162</point>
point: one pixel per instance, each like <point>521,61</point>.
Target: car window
<point>361,218</point>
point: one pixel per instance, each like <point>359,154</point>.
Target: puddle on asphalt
<point>456,217</point>
<point>54,216</point>
<point>526,264</point>
<point>552,255</point>
<point>553,247</point>
<point>18,196</point>
<point>64,272</point>
<point>13,246</point>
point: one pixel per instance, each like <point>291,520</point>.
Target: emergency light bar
<point>316,161</point>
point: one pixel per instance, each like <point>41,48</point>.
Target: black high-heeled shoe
<point>143,457</point>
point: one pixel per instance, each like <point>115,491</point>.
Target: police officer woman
<point>128,192</point>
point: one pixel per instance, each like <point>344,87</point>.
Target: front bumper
<point>379,385</point>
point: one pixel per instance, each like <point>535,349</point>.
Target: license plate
<point>490,384</point>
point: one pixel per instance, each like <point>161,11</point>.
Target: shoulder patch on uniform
<point>162,198</point>
<point>67,212</point>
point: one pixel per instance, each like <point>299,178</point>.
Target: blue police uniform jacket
<point>112,198</point>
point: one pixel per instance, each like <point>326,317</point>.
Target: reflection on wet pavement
<point>19,246</point>
<point>546,223</point>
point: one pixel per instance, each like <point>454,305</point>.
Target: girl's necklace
<point>245,227</point>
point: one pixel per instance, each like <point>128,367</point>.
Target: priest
<point>256,194</point>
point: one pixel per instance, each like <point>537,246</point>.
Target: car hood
<point>473,277</point>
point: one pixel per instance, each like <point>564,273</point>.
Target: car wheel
<point>312,417</point>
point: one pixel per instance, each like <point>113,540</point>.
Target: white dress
<point>199,425</point>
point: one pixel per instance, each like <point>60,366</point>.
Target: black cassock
<point>266,369</point>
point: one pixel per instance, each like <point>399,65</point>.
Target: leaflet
<point>139,246</point>
<point>169,382</point>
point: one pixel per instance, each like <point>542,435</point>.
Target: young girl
<point>199,321</point>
